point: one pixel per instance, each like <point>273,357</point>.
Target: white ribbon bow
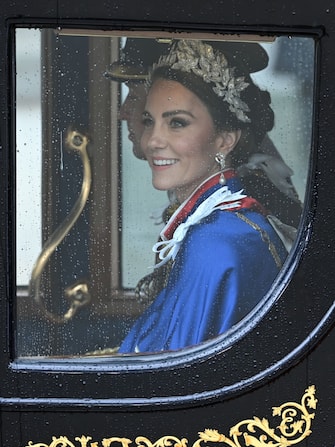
<point>168,249</point>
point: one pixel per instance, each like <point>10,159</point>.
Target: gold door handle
<point>78,296</point>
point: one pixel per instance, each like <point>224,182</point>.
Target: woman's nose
<point>156,139</point>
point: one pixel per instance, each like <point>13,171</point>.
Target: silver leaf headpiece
<point>195,56</point>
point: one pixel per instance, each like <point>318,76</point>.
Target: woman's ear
<point>227,140</point>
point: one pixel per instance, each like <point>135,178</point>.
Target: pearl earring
<point>221,159</point>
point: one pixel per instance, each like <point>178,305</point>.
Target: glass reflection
<point>203,164</point>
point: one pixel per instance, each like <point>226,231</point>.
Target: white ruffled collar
<point>221,199</point>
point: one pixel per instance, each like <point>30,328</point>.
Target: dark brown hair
<point>261,118</point>
<point>260,112</point>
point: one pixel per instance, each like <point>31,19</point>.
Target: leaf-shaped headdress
<point>195,56</point>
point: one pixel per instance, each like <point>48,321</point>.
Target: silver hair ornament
<point>195,56</point>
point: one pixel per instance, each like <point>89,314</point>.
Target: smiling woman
<point>204,121</point>
<point>180,140</point>
<point>198,131</point>
<point>206,149</point>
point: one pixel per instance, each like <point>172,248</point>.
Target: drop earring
<point>221,159</point>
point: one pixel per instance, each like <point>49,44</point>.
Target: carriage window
<point>198,148</point>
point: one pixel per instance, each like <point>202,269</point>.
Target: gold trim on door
<point>294,427</point>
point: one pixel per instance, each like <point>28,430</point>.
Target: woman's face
<point>179,139</point>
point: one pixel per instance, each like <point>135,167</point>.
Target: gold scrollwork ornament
<point>256,432</point>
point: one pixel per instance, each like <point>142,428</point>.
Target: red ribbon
<point>245,203</point>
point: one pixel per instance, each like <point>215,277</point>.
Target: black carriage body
<point>229,393</point>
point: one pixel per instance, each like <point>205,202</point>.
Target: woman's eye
<point>177,123</point>
<point>147,122</point>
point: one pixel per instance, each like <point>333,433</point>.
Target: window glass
<point>28,139</point>
<point>203,155</point>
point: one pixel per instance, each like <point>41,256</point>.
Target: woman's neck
<point>183,193</point>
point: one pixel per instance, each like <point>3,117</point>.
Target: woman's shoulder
<point>232,233</point>
<point>232,223</point>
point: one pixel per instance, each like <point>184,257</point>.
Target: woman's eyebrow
<point>177,112</point>
<point>170,113</point>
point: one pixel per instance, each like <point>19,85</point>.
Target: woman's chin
<point>161,186</point>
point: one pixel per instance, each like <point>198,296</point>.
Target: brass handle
<point>78,296</point>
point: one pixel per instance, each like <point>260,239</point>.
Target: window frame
<point>130,375</point>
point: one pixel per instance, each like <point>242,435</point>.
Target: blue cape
<point>222,270</point>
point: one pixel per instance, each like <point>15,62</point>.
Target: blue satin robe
<point>222,270</point>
